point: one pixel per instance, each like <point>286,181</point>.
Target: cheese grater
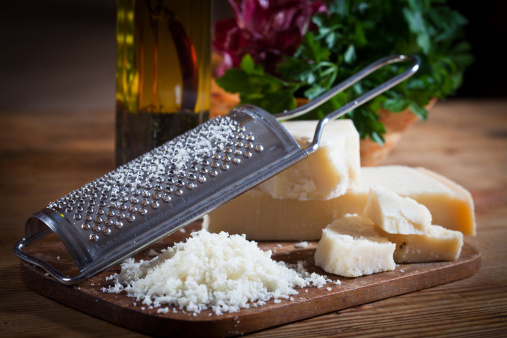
<point>149,198</point>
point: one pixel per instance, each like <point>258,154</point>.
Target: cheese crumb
<point>152,253</point>
<point>212,271</point>
<point>301,245</point>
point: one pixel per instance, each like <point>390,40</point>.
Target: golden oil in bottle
<point>163,72</point>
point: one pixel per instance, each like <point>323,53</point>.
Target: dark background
<point>60,55</point>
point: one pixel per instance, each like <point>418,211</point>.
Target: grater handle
<point>18,250</point>
<point>357,102</point>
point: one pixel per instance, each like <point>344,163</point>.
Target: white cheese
<point>351,247</point>
<point>395,214</point>
<point>217,271</point>
<point>327,173</point>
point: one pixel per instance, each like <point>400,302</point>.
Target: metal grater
<point>147,199</point>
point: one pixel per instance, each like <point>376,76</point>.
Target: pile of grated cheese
<point>209,270</point>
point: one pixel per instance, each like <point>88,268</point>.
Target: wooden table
<point>45,156</point>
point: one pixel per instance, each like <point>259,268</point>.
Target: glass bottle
<point>163,72</point>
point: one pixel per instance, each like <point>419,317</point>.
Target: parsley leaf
<point>351,35</point>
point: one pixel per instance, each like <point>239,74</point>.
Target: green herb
<point>352,35</point>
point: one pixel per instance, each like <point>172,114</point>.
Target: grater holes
<point>144,184</point>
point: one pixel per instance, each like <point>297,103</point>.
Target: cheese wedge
<point>261,217</point>
<point>437,244</point>
<point>351,247</point>
<point>327,173</point>
<point>395,214</point>
<point>450,205</point>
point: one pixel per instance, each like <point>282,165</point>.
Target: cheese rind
<point>437,244</point>
<point>328,172</point>
<point>351,247</point>
<point>395,214</point>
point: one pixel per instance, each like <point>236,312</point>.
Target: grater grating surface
<point>166,188</point>
<point>122,212</point>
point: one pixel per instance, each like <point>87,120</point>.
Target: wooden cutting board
<point>124,311</point>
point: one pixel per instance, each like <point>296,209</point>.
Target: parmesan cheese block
<point>327,173</point>
<point>395,214</point>
<point>351,247</point>
<point>450,205</point>
<point>262,217</point>
<point>437,244</point>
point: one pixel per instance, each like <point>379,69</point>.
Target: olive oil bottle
<point>163,75</point>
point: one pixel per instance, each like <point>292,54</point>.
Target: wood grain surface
<point>44,156</point>
<point>339,293</point>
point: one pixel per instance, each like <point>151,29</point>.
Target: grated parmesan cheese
<point>304,244</point>
<point>212,271</point>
